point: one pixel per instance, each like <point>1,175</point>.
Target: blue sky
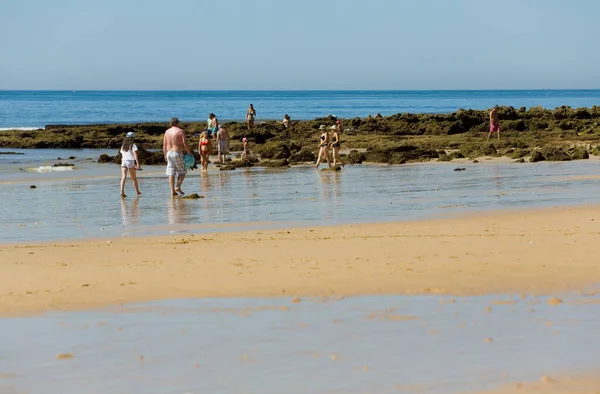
<point>305,44</point>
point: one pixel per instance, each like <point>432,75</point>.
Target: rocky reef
<point>536,134</point>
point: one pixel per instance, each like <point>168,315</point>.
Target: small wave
<point>51,169</point>
<point>21,128</point>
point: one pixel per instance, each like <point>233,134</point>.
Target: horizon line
<point>301,90</point>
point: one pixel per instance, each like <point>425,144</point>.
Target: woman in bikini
<point>323,147</point>
<point>204,149</point>
<point>250,115</point>
<point>335,146</point>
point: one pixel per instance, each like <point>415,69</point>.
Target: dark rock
<point>444,157</point>
<point>475,161</point>
<point>334,168</point>
<point>72,158</point>
<point>303,156</point>
<point>377,156</point>
<point>459,169</point>
<point>521,160</point>
<point>104,158</point>
<point>456,155</point>
<point>579,153</point>
<point>11,153</point>
<point>63,165</point>
<point>275,163</point>
<point>536,156</point>
<point>227,168</point>
<point>518,153</point>
<point>32,186</point>
<point>193,196</point>
<point>276,150</point>
<point>355,157</point>
<point>552,153</point>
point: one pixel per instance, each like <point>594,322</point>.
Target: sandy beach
<point>542,252</point>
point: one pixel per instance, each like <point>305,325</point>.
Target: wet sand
<point>543,252</point>
<point>370,344</point>
<point>553,385</point>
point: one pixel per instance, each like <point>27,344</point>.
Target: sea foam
<point>20,128</point>
<point>51,169</point>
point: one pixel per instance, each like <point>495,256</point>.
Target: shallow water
<point>85,202</point>
<point>373,344</point>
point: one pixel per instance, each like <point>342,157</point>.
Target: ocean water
<point>85,201</point>
<point>35,109</point>
<point>375,345</point>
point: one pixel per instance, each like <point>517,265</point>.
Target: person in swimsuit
<point>129,162</point>
<point>174,145</point>
<point>209,125</point>
<point>245,151</point>
<point>204,149</point>
<point>323,146</point>
<point>222,143</point>
<point>250,115</point>
<point>494,123</point>
<point>335,146</point>
<point>286,121</point>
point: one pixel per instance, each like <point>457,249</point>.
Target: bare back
<point>174,140</point>
<point>494,116</point>
<point>223,135</point>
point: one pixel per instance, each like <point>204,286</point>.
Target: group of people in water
<point>175,148</point>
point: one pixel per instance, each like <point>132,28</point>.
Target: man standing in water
<point>494,124</point>
<point>174,144</point>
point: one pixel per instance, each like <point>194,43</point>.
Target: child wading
<point>129,162</point>
<point>245,150</point>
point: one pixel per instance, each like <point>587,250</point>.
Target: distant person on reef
<point>174,145</point>
<point>339,126</point>
<point>323,146</point>
<point>204,149</point>
<point>245,150</point>
<point>286,121</point>
<point>494,123</point>
<point>209,122</point>
<point>129,162</point>
<point>212,125</point>
<point>250,115</point>
<point>222,143</point>
<point>335,146</point>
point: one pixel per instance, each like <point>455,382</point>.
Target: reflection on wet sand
<point>367,193</point>
<point>178,211</point>
<point>130,216</point>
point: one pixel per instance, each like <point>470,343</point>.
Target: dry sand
<point>536,252</point>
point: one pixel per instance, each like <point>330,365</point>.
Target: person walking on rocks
<point>494,123</point>
<point>222,143</point>
<point>250,115</point>
<point>323,146</point>
<point>174,145</point>
<point>335,146</point>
